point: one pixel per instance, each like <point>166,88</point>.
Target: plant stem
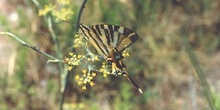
<point>67,78</point>
<point>200,73</point>
<point>27,45</point>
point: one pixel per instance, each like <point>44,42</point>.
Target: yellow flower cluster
<point>47,9</point>
<point>73,60</point>
<point>86,78</point>
<point>105,70</point>
<point>79,41</point>
<point>93,57</point>
<point>62,13</point>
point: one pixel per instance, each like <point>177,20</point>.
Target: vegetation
<point>175,61</point>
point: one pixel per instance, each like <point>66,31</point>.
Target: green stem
<point>27,45</point>
<point>200,73</point>
<point>67,78</point>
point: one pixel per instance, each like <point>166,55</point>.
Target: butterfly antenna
<point>132,81</point>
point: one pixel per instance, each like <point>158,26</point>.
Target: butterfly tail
<point>132,81</point>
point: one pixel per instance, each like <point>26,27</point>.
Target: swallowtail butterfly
<point>110,41</point>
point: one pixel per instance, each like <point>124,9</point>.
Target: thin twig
<point>27,45</point>
<point>58,52</point>
<point>69,72</point>
<point>79,15</point>
<point>48,20</point>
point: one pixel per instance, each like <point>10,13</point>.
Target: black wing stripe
<point>116,28</point>
<point>100,40</point>
<point>111,32</point>
<point>102,26</point>
<point>110,27</point>
<point>127,32</point>
<point>106,29</point>
<point>84,29</point>
<point>107,37</point>
<point>133,36</point>
<point>98,29</point>
<point>96,43</point>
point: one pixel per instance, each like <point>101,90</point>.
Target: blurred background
<point>159,63</point>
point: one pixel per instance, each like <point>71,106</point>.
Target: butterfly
<point>110,41</point>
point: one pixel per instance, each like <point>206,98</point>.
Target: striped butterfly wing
<point>107,37</point>
<point>110,41</point>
